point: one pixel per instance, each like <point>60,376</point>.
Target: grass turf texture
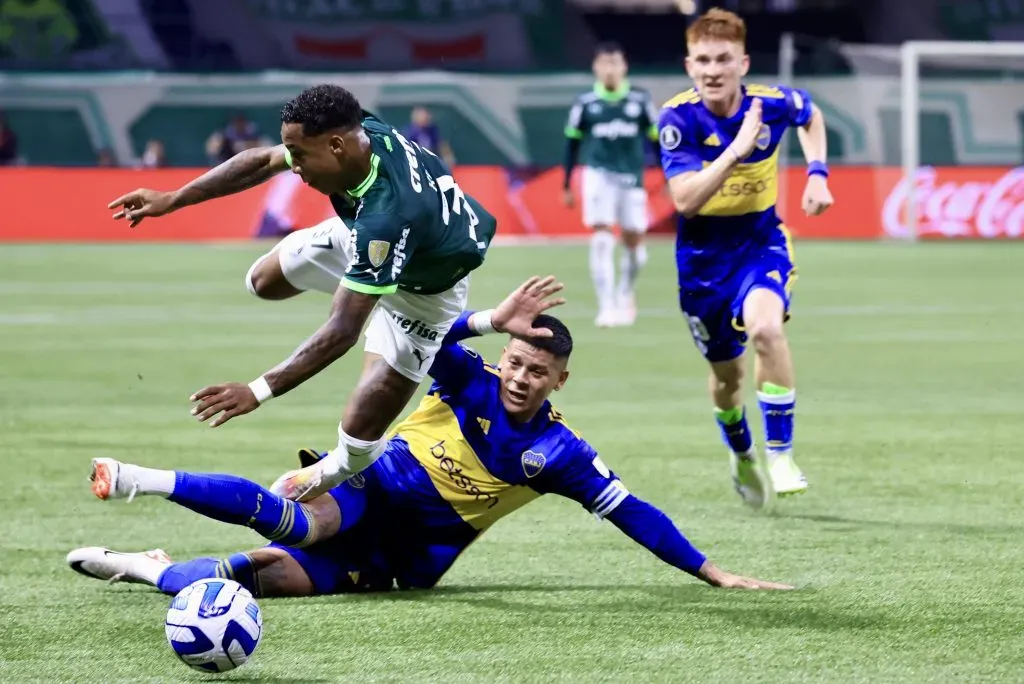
<point>907,548</point>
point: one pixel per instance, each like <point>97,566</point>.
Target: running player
<point>403,266</point>
<point>484,442</point>
<point>720,143</point>
<point>607,127</point>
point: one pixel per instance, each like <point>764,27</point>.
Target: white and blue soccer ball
<point>214,625</point>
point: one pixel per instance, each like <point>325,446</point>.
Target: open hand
<point>516,314</point>
<point>817,197</point>
<point>229,400</point>
<point>141,203</point>
<point>717,577</point>
<point>750,129</point>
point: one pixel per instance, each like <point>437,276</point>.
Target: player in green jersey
<point>606,129</point>
<point>398,256</point>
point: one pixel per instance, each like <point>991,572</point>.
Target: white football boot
<point>607,318</point>
<point>751,480</point>
<point>626,310</point>
<point>113,566</point>
<point>786,477</point>
<point>305,484</point>
<point>112,480</point>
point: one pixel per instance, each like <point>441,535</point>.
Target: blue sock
<point>735,430</point>
<point>238,567</point>
<point>778,406</point>
<point>238,501</point>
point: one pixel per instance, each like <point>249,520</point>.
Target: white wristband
<point>481,322</point>
<point>261,389</point>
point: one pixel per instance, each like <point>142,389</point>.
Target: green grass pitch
<point>907,549</point>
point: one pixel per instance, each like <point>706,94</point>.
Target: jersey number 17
<point>444,186</point>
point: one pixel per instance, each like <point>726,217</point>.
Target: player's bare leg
<point>763,316</point>
<point>634,256</point>
<point>602,273</point>
<point>266,279</point>
<point>749,470</point>
<point>313,258</point>
<point>379,398</point>
<point>278,575</point>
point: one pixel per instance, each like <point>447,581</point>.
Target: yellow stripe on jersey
<point>690,96</point>
<point>751,188</point>
<point>764,91</point>
<point>436,441</point>
<point>556,417</point>
<point>792,276</point>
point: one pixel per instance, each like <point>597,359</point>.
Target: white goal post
<point>910,98</point>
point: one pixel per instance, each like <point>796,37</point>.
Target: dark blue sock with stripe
<point>238,567</point>
<point>238,501</point>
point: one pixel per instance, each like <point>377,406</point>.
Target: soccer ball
<point>214,625</point>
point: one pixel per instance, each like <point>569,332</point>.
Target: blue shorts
<point>713,303</point>
<point>388,536</point>
<point>353,560</point>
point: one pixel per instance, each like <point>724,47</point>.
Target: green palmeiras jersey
<point>412,226</point>
<point>612,125</point>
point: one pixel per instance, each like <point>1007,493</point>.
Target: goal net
<point>952,123</point>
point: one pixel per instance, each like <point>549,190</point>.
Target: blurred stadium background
<point>908,543</point>
<point>136,84</point>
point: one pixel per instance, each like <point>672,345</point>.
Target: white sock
<point>602,267</point>
<point>151,480</point>
<point>633,259</point>
<point>148,569</point>
<point>351,456</point>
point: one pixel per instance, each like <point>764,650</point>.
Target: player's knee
<point>265,280</point>
<point>766,336</point>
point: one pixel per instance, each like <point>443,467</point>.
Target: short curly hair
<point>322,108</point>
<point>560,342</point>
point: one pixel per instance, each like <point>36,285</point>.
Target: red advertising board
<point>69,205</point>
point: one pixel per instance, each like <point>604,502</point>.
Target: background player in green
<point>607,127</point>
<point>406,239</point>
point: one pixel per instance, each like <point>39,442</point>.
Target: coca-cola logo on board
<point>958,208</point>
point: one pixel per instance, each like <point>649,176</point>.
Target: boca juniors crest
<point>533,463</point>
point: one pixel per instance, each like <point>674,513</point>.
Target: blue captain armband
<point>817,168</point>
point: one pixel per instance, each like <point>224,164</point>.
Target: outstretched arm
<point>652,529</point>
<point>580,474</point>
<point>349,312</point>
<point>243,171</point>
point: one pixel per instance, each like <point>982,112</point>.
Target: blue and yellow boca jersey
<point>467,464</point>
<point>743,210</point>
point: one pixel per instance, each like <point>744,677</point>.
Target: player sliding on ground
<point>484,442</point>
<point>720,143</point>
<point>414,239</point>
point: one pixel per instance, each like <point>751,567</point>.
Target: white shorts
<point>607,201</point>
<point>406,329</point>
